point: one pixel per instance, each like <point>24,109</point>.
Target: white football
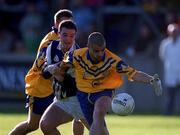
<point>123,104</point>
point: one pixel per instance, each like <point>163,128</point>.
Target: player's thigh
<point>55,116</point>
<point>71,105</point>
<point>33,119</point>
<point>102,104</point>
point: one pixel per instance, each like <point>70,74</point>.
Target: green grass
<point>129,125</point>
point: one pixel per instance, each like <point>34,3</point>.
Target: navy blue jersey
<point>55,55</point>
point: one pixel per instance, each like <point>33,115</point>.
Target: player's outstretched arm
<point>153,80</point>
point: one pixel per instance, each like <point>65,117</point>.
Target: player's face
<point>97,52</point>
<point>67,37</point>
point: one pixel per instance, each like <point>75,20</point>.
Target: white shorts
<point>70,105</point>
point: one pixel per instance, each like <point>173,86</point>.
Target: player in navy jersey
<point>65,106</point>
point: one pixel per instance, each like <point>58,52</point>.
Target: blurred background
<point>133,29</point>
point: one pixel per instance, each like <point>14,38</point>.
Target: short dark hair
<point>96,38</point>
<point>69,24</point>
<point>62,13</point>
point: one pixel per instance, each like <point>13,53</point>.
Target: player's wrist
<point>154,78</point>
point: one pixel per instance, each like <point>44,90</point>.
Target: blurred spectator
<point>30,27</point>
<point>170,53</point>
<point>118,28</point>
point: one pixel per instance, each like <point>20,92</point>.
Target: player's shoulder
<point>51,36</point>
<point>112,55</point>
<point>80,51</point>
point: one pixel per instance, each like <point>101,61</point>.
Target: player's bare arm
<point>153,80</point>
<point>142,77</point>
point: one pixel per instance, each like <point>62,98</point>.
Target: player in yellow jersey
<point>98,72</point>
<point>39,90</point>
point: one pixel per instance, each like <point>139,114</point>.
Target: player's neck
<point>92,58</point>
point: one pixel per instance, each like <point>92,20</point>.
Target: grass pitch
<point>118,125</point>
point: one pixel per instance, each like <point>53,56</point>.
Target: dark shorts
<point>38,105</point>
<point>87,101</point>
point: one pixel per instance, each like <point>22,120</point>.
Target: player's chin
<point>69,43</point>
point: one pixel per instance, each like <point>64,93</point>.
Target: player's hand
<point>65,65</point>
<point>156,83</point>
<point>52,68</point>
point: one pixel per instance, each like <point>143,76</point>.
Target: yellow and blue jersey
<point>36,85</point>
<point>95,77</point>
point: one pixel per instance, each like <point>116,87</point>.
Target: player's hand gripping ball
<point>122,104</point>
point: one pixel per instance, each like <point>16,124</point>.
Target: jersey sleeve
<point>48,54</point>
<point>48,61</point>
<point>123,68</point>
<point>41,56</point>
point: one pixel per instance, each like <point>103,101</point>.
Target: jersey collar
<point>90,59</point>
